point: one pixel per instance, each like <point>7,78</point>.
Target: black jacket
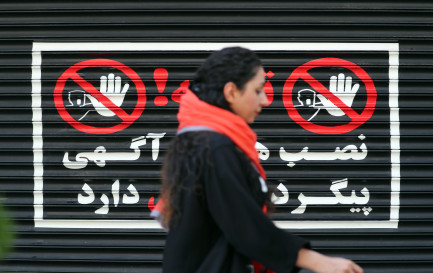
<point>222,226</point>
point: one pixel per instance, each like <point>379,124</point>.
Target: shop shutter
<point>363,172</point>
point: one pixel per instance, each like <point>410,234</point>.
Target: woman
<point>214,192</point>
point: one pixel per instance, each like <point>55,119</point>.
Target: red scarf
<point>195,112</point>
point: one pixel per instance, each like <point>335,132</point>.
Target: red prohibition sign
<point>127,119</point>
<point>356,119</point>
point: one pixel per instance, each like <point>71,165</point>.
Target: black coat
<point>222,226</point>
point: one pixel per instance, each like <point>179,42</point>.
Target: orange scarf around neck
<point>195,112</point>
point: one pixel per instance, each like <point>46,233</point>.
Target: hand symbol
<point>343,89</point>
<point>110,88</point>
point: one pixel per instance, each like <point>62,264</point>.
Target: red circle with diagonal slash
<point>357,119</point>
<point>127,119</point>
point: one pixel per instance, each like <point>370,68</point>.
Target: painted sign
<point>101,119</point>
<point>337,100</point>
<point>106,101</point>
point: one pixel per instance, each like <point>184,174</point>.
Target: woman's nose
<point>263,99</point>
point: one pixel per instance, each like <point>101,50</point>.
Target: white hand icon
<point>343,89</point>
<point>111,88</point>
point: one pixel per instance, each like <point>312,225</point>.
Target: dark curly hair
<point>189,152</point>
<point>232,64</point>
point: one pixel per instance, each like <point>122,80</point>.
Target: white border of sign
<point>39,47</point>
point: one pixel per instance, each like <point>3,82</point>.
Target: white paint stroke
<point>37,134</point>
<point>98,224</point>
<point>122,46</point>
<point>336,224</point>
<point>394,133</point>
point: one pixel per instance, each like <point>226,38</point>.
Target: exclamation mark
<point>269,89</point>
<point>151,203</point>
<point>160,75</point>
<point>177,94</point>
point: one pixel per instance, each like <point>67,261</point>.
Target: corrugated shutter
<point>392,232</point>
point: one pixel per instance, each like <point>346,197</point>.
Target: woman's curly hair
<point>233,64</point>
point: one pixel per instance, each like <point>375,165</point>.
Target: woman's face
<point>248,102</point>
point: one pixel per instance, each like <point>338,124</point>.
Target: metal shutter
<point>385,45</point>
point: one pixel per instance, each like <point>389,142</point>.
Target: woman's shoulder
<point>217,140</point>
<point>211,139</point>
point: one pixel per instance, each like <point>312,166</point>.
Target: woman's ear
<point>230,92</point>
